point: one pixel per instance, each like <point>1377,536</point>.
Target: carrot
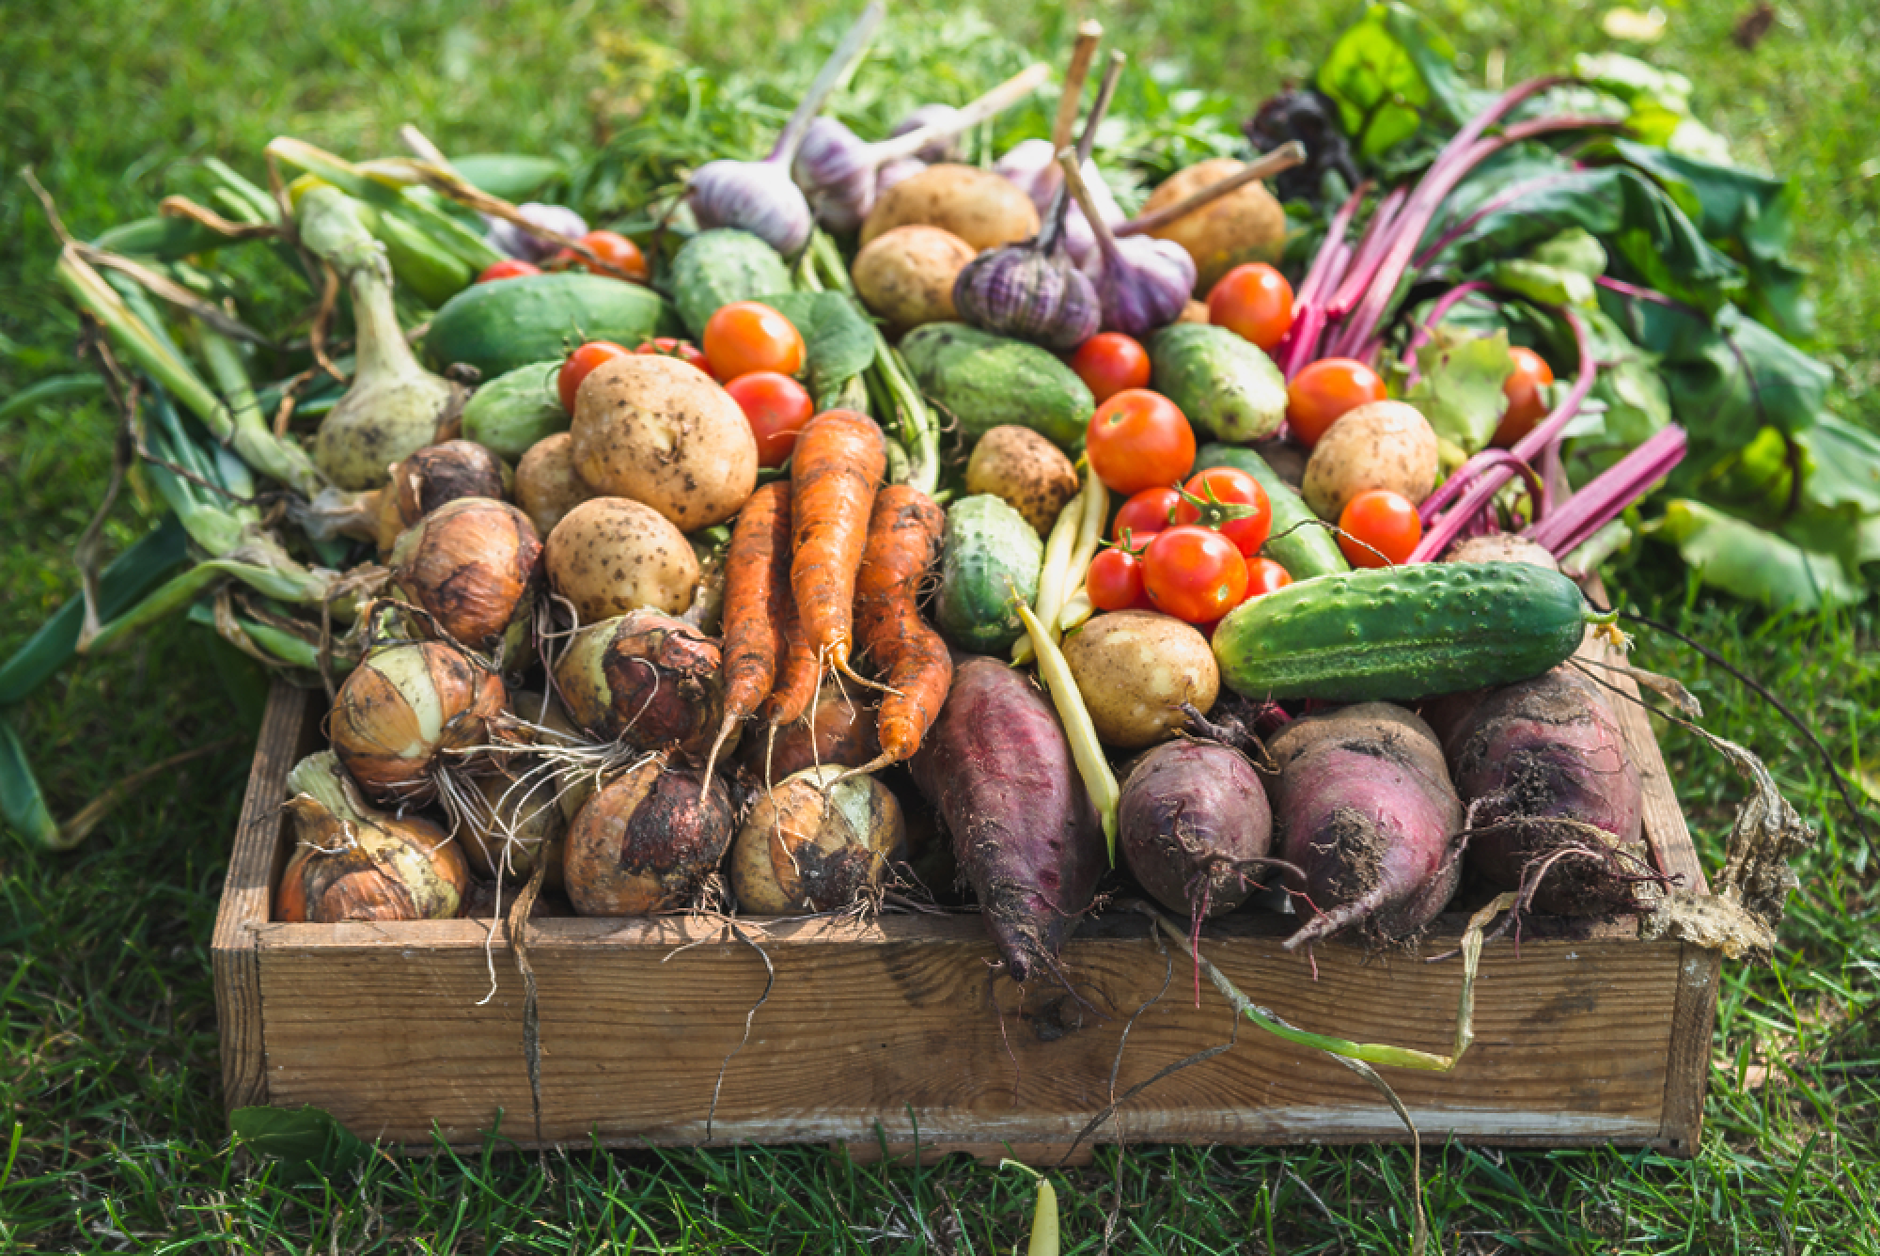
<point>797,675</point>
<point>835,469</point>
<point>757,580</point>
<point>903,541</point>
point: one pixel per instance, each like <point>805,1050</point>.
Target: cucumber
<point>718,267</point>
<point>1308,548</point>
<point>986,381</point>
<point>1221,380</point>
<point>1396,634</point>
<point>513,411</point>
<point>498,327</point>
<point>989,557</point>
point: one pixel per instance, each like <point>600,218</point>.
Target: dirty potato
<point>1385,444</point>
<point>609,556</point>
<point>1028,471</point>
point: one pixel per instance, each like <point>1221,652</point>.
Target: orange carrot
<point>797,675</point>
<point>903,542</point>
<point>835,469</point>
<point>757,580</point>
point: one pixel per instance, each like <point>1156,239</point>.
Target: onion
<point>474,564</point>
<point>434,475</point>
<point>520,821</point>
<point>644,678</point>
<point>402,708</point>
<point>647,841</point>
<point>820,841</point>
<point>354,863</point>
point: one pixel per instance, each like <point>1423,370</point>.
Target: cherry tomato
<point>1254,300</point>
<point>1265,576</point>
<point>748,336</point>
<point>1225,492</point>
<point>1379,528</point>
<point>1115,580</point>
<point>1193,574</point>
<point>1109,362</point>
<point>1526,405</point>
<point>581,364</point>
<point>684,350</point>
<point>777,407</point>
<point>1143,515</point>
<point>612,248</point>
<point>508,268</point>
<point>1138,439</point>
<point>1326,389</point>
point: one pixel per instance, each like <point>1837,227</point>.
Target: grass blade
<point>22,806</point>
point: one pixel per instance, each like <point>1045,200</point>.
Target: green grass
<point>111,1133</point>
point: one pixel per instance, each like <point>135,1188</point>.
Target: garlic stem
<point>1089,35</point>
<point>840,62</point>
<point>1281,159</point>
<point>967,116</point>
<point>1060,205</point>
<point>1074,180</point>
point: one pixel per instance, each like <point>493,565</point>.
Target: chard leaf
<point>838,341</point>
<point>1459,389</point>
<point>1739,558</point>
<point>1559,271</point>
<point>1388,73</point>
<point>1632,80</point>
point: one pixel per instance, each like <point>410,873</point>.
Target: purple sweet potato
<point>1364,809</point>
<point>1193,813</point>
<point>998,768</point>
<point>1542,770</point>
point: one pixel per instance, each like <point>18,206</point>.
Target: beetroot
<point>1532,759</point>
<point>1364,809</point>
<point>997,766</point>
<point>1193,813</point>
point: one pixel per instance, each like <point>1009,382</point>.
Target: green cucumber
<point>513,411</point>
<point>1396,634</point>
<point>990,560</point>
<point>498,327</point>
<point>985,381</point>
<point>1298,542</point>
<point>1226,386</point>
<point>715,268</point>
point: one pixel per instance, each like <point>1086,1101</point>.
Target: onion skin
<point>525,820</point>
<point>841,732</point>
<point>474,563</point>
<point>647,841</point>
<point>434,475</point>
<point>815,845</point>
<point>644,678</point>
<point>402,707</point>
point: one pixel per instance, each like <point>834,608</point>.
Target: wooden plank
<point>1572,1039</point>
<point>246,895</point>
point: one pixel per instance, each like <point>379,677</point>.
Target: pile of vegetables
<point>1213,552</point>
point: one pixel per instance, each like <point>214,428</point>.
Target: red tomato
<point>1526,405</point>
<point>1109,362</point>
<point>1145,514</point>
<point>1265,576</point>
<point>610,247</point>
<point>508,268</point>
<point>777,407</point>
<point>1193,574</point>
<point>1326,389</point>
<point>1254,300</point>
<point>581,364</point>
<point>1138,439</point>
<point>1231,502</point>
<point>1115,580</point>
<point>748,336</point>
<point>684,350</point>
<point>1379,528</point>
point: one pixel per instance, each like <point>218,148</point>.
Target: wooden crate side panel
<point>1571,1044</point>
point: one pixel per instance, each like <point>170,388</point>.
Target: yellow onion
<point>434,475</point>
<point>815,843</point>
<point>647,841</point>
<point>541,720</point>
<point>519,822</point>
<point>644,678</point>
<point>353,863</point>
<point>474,563</point>
<point>402,708</point>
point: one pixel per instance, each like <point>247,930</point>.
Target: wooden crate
<point>884,1035</point>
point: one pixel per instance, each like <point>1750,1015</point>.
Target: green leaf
<point>1559,271</point>
<point>1459,388</point>
<point>22,806</point>
<point>1737,557</point>
<point>307,1141</point>
<point>838,339</point>
<point>51,388</point>
<point>1632,80</point>
<point>1389,71</point>
<point>510,176</point>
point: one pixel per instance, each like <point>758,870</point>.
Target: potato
<point>610,555</point>
<point>906,275</point>
<point>1135,669</point>
<point>547,487</point>
<point>810,845</point>
<point>1028,471</point>
<point>1194,312</point>
<point>1385,444</point>
<point>662,432</point>
<point>978,206</point>
<point>1246,225</point>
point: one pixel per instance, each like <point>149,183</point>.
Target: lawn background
<point>110,1112</point>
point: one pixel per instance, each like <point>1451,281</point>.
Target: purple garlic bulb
<point>1029,292</point>
<point>945,147</point>
<point>1145,284</point>
<point>507,238</point>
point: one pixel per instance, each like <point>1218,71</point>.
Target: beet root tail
<point>1339,917</point>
